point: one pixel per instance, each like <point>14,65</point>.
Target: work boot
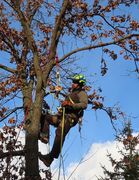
<point>43,138</point>
<point>46,159</point>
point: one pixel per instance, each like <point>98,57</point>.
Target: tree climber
<point>73,107</point>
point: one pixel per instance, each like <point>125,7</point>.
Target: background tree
<point>37,37</point>
<point>127,167</point>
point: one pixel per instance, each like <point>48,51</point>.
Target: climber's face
<point>75,85</point>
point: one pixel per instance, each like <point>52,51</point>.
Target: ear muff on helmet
<point>79,78</point>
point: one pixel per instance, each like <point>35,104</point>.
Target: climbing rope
<point>63,123</point>
<point>62,133</point>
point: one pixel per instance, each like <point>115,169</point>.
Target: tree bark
<point>31,147</point>
<point>31,157</point>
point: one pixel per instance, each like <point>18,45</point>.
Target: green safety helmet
<point>79,78</point>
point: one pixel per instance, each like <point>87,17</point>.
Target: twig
<point>80,162</point>
<point>12,111</point>
<point>12,153</point>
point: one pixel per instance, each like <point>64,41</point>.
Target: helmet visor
<point>75,81</point>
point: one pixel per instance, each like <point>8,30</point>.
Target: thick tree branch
<point>98,46</point>
<point>55,37</point>
<point>58,25</point>
<point>8,69</point>
<point>33,12</point>
<point>12,153</point>
<point>32,45</point>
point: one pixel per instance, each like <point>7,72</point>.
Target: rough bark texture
<point>31,157</point>
<point>32,130</point>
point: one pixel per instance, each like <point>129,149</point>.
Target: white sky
<point>90,168</point>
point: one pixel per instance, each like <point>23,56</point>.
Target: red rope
<point>57,61</point>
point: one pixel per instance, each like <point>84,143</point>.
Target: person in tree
<point>73,107</point>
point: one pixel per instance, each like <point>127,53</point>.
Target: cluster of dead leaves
<point>9,142</point>
<point>2,112</point>
<point>11,85</point>
<point>96,100</point>
<point>111,53</point>
<point>134,25</point>
<point>130,139</point>
<point>119,19</point>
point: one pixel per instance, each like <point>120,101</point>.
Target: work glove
<point>66,103</point>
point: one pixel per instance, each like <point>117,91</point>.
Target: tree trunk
<point>31,156</point>
<point>31,146</point>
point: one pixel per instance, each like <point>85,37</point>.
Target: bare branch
<point>135,58</point>
<point>10,45</point>
<point>106,20</point>
<point>12,153</point>
<point>56,33</point>
<point>7,69</point>
<point>110,116</point>
<point>31,43</point>
<point>98,46</point>
<point>11,112</point>
<point>57,29</point>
